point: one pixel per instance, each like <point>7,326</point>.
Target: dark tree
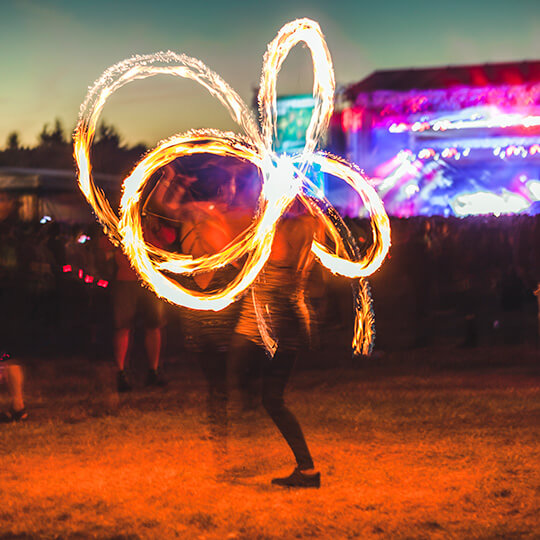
<point>13,142</point>
<point>108,135</point>
<point>55,137</point>
<point>54,150</point>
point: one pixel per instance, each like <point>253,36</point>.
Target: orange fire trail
<point>283,177</point>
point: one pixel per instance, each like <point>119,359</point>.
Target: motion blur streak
<point>284,178</point>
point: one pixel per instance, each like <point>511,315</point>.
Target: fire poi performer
<point>206,229</point>
<point>284,181</point>
<point>277,304</point>
<point>200,198</point>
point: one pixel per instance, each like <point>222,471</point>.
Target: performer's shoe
<point>299,479</point>
<point>122,384</point>
<point>12,415</point>
<point>155,379</point>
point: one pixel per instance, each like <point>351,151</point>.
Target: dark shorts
<point>131,300</point>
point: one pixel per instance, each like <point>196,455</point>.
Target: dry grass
<point>440,451</point>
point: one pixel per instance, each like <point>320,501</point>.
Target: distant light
<point>66,268</point>
<point>398,128</point>
<point>45,219</point>
<point>426,153</point>
<point>102,283</point>
<point>88,279</point>
<point>83,238</point>
<point>483,202</point>
<point>497,120</point>
<point>530,121</point>
<point>411,189</point>
<point>403,155</point>
<point>534,189</point>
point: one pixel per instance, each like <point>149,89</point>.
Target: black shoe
<point>122,384</point>
<point>155,379</point>
<point>12,415</point>
<point>299,479</point>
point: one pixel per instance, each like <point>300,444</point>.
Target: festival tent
<point>35,193</point>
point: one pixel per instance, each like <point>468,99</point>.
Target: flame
<point>284,177</point>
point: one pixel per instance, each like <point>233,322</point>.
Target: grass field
<point>432,443</point>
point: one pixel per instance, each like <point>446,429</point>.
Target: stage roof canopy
<point>403,80</point>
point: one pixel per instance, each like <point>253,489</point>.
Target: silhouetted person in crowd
<point>420,255</point>
<point>131,300</point>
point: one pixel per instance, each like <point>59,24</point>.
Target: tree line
<point>54,150</point>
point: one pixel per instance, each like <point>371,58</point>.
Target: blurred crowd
<point>54,287</point>
<point>55,283</point>
<point>478,266</point>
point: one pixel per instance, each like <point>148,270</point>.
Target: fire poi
<point>284,179</point>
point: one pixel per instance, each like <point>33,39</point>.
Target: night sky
<point>51,51</point>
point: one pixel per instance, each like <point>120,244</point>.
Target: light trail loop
<point>283,177</point>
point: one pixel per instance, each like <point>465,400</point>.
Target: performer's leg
<point>276,374</point>
<point>121,345</point>
<point>152,344</point>
<point>153,310</point>
<point>244,363</point>
<point>15,381</point>
<point>13,376</point>
<point>124,312</point>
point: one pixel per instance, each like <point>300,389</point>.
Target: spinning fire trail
<point>284,179</point>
